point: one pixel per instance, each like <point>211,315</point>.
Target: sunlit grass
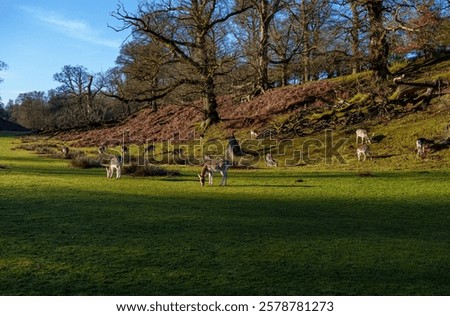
<point>283,231</point>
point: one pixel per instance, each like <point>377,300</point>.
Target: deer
<point>102,150</point>
<point>422,145</point>
<point>253,134</point>
<point>65,151</point>
<point>362,133</point>
<point>270,161</point>
<point>115,164</point>
<point>211,166</point>
<point>363,150</point>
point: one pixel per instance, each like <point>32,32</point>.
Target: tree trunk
<point>356,26</point>
<point>211,116</point>
<point>263,58</point>
<point>379,48</point>
<point>306,43</point>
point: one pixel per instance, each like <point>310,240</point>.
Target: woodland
<point>192,53</point>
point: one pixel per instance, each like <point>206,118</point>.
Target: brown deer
<point>211,166</point>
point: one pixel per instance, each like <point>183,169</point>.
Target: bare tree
<point>283,47</point>
<point>420,26</point>
<point>266,11</point>
<point>388,17</point>
<point>81,87</point>
<point>350,26</point>
<point>310,18</point>
<point>143,74</point>
<point>191,30</point>
<point>378,34</point>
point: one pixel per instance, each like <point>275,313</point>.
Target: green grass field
<point>66,231</point>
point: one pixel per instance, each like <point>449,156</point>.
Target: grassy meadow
<point>280,231</point>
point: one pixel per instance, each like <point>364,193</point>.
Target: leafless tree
<point>82,88</point>
<point>266,11</point>
<point>310,18</point>
<point>191,30</point>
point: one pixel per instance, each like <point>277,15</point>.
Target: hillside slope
<point>342,104</point>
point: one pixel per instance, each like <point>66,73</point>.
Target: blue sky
<point>38,38</point>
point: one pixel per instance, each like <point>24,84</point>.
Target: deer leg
<point>210,178</point>
<point>224,178</point>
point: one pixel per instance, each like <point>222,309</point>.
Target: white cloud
<point>76,29</point>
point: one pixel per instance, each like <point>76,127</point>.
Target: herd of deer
<point>362,150</point>
<point>422,145</point>
<point>221,166</point>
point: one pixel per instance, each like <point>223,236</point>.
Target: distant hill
<point>11,127</point>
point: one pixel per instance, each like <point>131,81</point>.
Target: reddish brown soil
<point>182,122</point>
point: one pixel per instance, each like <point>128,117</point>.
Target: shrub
<point>148,170</point>
<point>84,162</point>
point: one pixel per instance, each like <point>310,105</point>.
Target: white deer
<point>114,165</point>
<point>363,150</point>
<point>65,150</point>
<point>211,166</point>
<point>362,133</point>
<point>253,134</point>
<point>270,161</point>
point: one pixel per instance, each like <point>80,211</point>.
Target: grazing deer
<point>362,133</point>
<point>211,166</point>
<point>422,145</point>
<point>363,150</point>
<point>114,164</point>
<point>270,161</point>
<point>65,150</point>
<point>253,134</point>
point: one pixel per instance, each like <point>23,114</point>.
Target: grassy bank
<point>285,231</point>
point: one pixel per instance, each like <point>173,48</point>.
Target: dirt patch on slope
<point>182,122</point>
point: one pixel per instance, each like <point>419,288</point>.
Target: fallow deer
<point>362,133</point>
<point>211,166</point>
<point>363,150</point>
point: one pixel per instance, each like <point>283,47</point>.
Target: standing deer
<point>270,161</point>
<point>211,166</point>
<point>114,165</point>
<point>65,151</point>
<point>363,150</point>
<point>362,133</point>
<point>253,134</point>
<point>422,145</point>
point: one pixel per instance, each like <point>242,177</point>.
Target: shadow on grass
<point>92,243</point>
<point>271,186</point>
<point>385,156</point>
